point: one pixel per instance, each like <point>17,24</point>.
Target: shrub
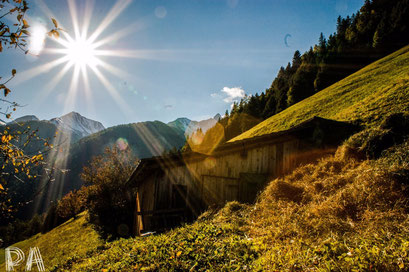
<point>355,219</point>
<point>109,200</point>
<point>398,123</point>
<point>371,142</point>
<point>52,219</point>
<point>20,230</point>
<point>72,203</point>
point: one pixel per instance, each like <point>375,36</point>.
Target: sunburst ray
<point>109,18</point>
<point>111,90</point>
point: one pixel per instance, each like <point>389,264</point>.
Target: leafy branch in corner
<point>15,163</point>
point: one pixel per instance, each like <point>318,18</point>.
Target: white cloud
<point>229,95</point>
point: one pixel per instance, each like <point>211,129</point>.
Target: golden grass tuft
<point>341,200</point>
<point>285,191</point>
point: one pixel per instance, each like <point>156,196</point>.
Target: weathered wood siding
<point>218,179</point>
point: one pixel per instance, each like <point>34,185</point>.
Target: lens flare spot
<point>206,142</point>
<point>196,138</point>
<point>160,12</point>
<point>37,38</point>
<point>210,162</point>
<point>122,144</point>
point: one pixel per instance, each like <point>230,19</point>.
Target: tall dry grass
<point>343,213</point>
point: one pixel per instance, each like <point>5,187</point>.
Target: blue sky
<point>196,56</point>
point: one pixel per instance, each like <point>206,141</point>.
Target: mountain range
<point>80,126</point>
<point>81,139</point>
<point>72,123</point>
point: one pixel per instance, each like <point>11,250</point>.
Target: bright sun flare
<point>81,52</point>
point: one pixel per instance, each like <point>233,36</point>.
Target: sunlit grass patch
<point>74,237</point>
<point>216,244</point>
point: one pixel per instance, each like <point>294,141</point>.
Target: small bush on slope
<point>370,143</point>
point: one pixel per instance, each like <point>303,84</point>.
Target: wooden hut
<point>173,188</point>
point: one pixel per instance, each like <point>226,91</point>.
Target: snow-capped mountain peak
<point>77,123</point>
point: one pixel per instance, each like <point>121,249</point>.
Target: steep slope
<point>78,124</point>
<point>73,237</point>
<point>367,95</point>
<point>145,138</point>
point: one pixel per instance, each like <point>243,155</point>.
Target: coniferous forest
<point>377,29</point>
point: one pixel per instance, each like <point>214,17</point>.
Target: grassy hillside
<point>368,95</point>
<point>340,214</point>
<point>74,237</point>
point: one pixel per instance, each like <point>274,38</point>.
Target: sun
<point>81,52</point>
<point>84,50</point>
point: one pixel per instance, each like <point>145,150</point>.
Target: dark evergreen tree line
<point>377,29</point>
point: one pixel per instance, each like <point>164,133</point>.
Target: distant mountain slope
<point>45,131</point>
<point>146,139</point>
<point>78,124</point>
<point>188,126</point>
<point>369,94</point>
<point>25,118</point>
<point>73,124</point>
<point>181,124</point>
<point>204,125</point>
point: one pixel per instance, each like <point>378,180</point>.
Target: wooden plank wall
<point>216,179</point>
<point>208,176</point>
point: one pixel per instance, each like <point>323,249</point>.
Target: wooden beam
<point>138,217</point>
